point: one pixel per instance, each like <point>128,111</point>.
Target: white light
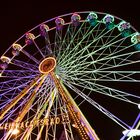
<point>74,125</point>
<point>131,133</point>
<point>57,76</point>
<point>15,131</point>
<point>139,106</point>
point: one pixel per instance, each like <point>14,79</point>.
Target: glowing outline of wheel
<point>65,68</point>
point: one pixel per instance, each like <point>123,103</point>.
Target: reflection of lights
<point>139,106</point>
<point>131,133</point>
<point>15,131</point>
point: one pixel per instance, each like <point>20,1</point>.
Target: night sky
<point>16,18</point>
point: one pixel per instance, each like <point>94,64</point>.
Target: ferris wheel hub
<point>47,65</point>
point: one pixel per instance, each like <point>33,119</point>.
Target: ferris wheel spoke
<point>118,48</point>
<point>81,51</point>
<point>121,63</point>
<point>44,101</point>
<point>30,56</point>
<point>111,92</point>
<point>115,63</point>
<point>114,76</point>
<point>41,108</point>
<point>9,117</point>
<point>124,96</point>
<point>99,107</point>
<point>18,97</point>
<point>80,34</point>
<point>100,34</point>
<point>25,65</point>
<point>46,116</point>
<point>29,129</point>
<point>22,112</point>
<point>47,41</point>
<point>85,57</point>
<point>25,109</point>
<point>38,48</point>
<point>105,46</point>
<point>7,93</point>
<point>15,77</point>
<point>96,46</point>
<point>130,98</point>
<point>29,103</point>
<point>108,38</point>
<point>67,127</point>
<point>57,42</point>
<point>111,55</point>
<point>12,113</point>
<point>86,35</point>
<point>17,73</point>
<point>122,76</point>
<point>122,60</point>
<point>71,36</point>
<point>119,60</point>
<point>13,84</point>
<point>98,30</point>
<point>65,41</point>
<point>81,66</point>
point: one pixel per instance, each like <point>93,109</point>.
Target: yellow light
<point>47,65</point>
<point>15,131</point>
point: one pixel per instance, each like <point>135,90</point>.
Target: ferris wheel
<point>62,63</point>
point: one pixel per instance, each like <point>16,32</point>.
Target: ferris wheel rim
<point>63,15</point>
<point>65,58</point>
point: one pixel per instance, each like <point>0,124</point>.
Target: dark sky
<point>16,18</point>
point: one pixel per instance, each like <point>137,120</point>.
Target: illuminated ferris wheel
<point>49,72</point>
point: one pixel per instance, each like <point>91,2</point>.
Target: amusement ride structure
<point>62,63</point>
